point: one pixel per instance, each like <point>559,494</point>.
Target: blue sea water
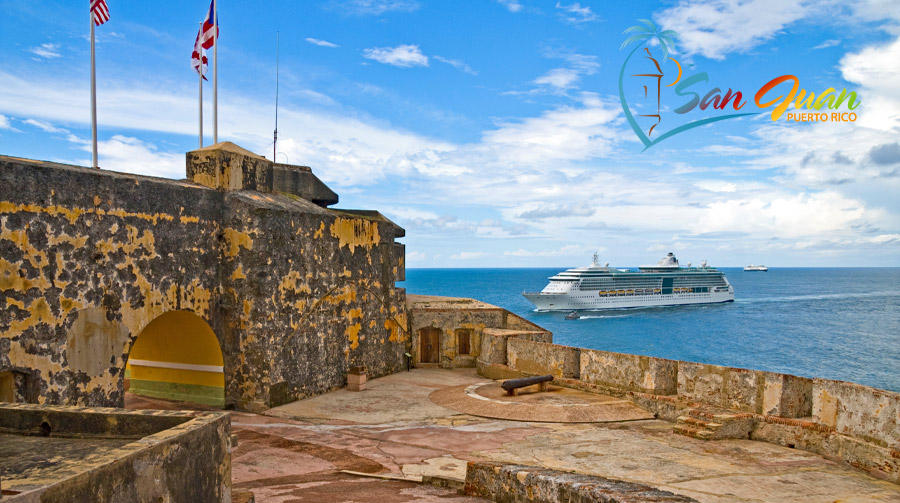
<point>837,323</point>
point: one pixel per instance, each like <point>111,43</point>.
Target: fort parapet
<point>238,286</point>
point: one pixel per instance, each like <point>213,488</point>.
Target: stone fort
<point>237,287</point>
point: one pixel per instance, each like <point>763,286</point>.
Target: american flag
<point>206,33</point>
<point>99,11</point>
<point>198,57</point>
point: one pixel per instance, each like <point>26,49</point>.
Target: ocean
<point>836,323</point>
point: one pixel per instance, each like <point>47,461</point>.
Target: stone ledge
<point>517,483</point>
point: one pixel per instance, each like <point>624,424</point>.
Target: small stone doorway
<point>430,345</point>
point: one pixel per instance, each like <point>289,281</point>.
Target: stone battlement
<point>238,286</point>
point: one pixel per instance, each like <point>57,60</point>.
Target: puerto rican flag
<point>198,57</point>
<point>206,33</point>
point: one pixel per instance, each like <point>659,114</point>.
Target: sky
<point>494,131</point>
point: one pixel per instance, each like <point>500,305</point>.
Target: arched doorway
<point>177,357</point>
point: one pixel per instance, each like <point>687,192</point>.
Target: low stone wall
<point>857,424</point>
<point>746,390</point>
<point>495,341</point>
<point>858,411</point>
<point>517,483</point>
<point>163,456</point>
<point>629,372</point>
<point>536,357</point>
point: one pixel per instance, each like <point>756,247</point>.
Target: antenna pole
<point>275,143</point>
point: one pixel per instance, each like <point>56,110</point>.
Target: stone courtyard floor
<point>296,452</point>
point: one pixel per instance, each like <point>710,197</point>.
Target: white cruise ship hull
<point>586,300</point>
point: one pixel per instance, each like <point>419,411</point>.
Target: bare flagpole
<point>216,71</point>
<point>93,97</point>
<point>200,75</point>
<point>275,143</point>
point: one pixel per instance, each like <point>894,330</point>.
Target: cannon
<point>512,385</point>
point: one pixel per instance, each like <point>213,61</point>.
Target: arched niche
<point>177,357</point>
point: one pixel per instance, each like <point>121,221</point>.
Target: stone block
<point>858,411</point>
<point>225,166</point>
<point>517,483</point>
<point>356,378</point>
<point>629,372</point>
<point>534,357</point>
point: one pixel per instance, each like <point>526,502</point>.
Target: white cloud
<point>415,256</point>
<point>344,150</point>
<point>568,133</point>
<point>828,43</point>
<point>320,43</point>
<point>46,51</point>
<point>45,127</point>
<point>875,69</point>
<point>575,13</point>
<point>562,79</point>
<point>543,211</point>
<point>4,122</point>
<point>511,5</point>
<point>455,63</point>
<point>717,27</point>
<point>785,215</point>
<point>375,7</point>
<point>565,250</point>
<point>131,155</point>
<point>404,56</point>
<point>467,255</point>
<point>716,186</point>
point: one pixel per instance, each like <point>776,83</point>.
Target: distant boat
<point>759,268</point>
<point>573,316</point>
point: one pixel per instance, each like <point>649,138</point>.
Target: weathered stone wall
<point>295,293</point>
<point>536,357</point>
<point>858,411</point>
<point>746,390</point>
<point>629,372</point>
<point>495,342</point>
<point>87,259</point>
<point>315,294</point>
<point>507,483</point>
<point>175,456</point>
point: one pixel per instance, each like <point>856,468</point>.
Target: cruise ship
<point>602,287</point>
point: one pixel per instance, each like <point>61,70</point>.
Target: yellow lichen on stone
<point>347,295</point>
<point>235,239</point>
<point>353,232</point>
<point>319,233</point>
<point>353,335</point>
<point>238,273</point>
<point>291,283</point>
<point>11,280</point>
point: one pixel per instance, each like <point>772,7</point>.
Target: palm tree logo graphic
<point>645,34</point>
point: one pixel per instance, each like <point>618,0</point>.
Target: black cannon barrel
<point>511,384</point>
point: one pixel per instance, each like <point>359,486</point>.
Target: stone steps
<point>712,425</point>
<point>690,431</point>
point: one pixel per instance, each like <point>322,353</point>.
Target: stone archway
<point>177,357</point>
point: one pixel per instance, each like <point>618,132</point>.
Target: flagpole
<point>93,98</point>
<point>215,71</point>
<point>200,78</point>
<point>277,58</point>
